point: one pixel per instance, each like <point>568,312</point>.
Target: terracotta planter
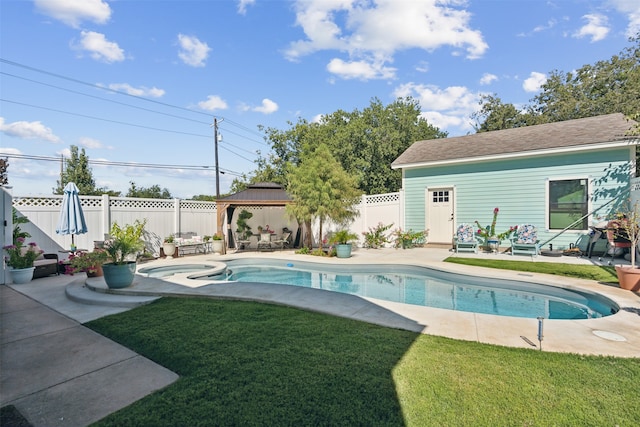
<point>629,278</point>
<point>96,273</point>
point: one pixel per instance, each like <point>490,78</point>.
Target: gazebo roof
<point>262,193</point>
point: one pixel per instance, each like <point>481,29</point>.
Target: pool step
<point>85,293</point>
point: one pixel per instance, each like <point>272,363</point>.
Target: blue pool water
<point>426,287</point>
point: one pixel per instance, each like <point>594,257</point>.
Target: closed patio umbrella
<point>71,220</point>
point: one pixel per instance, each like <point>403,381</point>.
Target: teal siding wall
<point>518,188</point>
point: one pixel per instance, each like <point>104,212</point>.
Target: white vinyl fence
<point>171,216</point>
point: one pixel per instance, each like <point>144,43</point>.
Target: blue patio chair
<point>525,240</point>
<point>466,239</point>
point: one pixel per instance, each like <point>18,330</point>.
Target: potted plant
<point>20,258</point>
<point>488,233</point>
<point>123,245</point>
<point>342,240</point>
<point>626,226</point>
<point>243,229</point>
<point>218,244</point>
<point>408,238</point>
<point>88,262</point>
<point>169,246</point>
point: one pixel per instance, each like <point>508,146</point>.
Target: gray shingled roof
<point>268,192</point>
<point>558,135</point>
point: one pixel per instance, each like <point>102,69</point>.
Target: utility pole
<point>215,138</point>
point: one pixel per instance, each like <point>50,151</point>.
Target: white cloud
<point>373,32</point>
<point>73,12</point>
<point>445,108</point>
<point>488,78</point>
<point>359,70</point>
<point>243,4</point>
<point>28,130</point>
<point>533,83</point>
<point>597,28</point>
<point>153,92</point>
<point>632,9</point>
<point>99,47</point>
<point>192,51</point>
<point>267,107</point>
<point>213,102</point>
<point>89,143</point>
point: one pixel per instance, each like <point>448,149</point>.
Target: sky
<point>139,83</point>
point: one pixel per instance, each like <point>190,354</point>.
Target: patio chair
<point>465,239</point>
<point>265,241</point>
<point>525,240</point>
<point>242,243</point>
<point>283,241</point>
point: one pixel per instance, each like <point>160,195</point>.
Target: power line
<point>121,164</point>
<point>102,99</point>
<point>102,119</point>
<point>74,80</point>
<point>127,124</point>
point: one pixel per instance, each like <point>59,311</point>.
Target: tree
<point>321,189</point>
<point>605,87</point>
<point>76,170</point>
<point>153,192</point>
<point>496,115</point>
<point>4,176</point>
<point>204,198</point>
<point>364,142</point>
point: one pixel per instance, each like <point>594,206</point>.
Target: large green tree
<point>4,165</point>
<point>608,86</point>
<point>76,169</point>
<point>364,142</point>
<point>153,192</point>
<point>321,190</point>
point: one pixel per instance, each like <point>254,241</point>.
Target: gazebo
<point>260,194</point>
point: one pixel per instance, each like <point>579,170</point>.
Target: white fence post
<point>105,226</point>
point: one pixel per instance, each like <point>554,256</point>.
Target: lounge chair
<point>525,240</point>
<point>282,242</point>
<point>466,239</point>
<point>265,241</point>
<point>242,243</point>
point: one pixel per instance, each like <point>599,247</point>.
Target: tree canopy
<point>4,165</point>
<point>153,192</point>
<point>611,86</point>
<point>76,169</point>
<point>321,190</point>
<point>364,142</point>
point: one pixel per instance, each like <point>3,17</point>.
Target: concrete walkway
<point>57,372</point>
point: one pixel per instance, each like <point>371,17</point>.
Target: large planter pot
<point>343,251</point>
<point>119,276</point>
<point>169,249</point>
<point>20,276</point>
<point>217,246</point>
<point>97,271</point>
<point>629,278</point>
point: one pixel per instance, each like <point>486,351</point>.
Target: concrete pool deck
<point>57,372</point>
<point>615,335</point>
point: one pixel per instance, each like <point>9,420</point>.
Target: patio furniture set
<point>265,241</point>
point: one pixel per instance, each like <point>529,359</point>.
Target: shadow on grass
<point>246,363</point>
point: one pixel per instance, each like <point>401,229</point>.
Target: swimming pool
<point>425,287</point>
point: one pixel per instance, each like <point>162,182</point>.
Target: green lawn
<point>252,364</point>
<point>604,274</point>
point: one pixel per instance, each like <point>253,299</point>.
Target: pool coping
<point>615,335</point>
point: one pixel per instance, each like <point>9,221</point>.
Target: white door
<point>439,212</point>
